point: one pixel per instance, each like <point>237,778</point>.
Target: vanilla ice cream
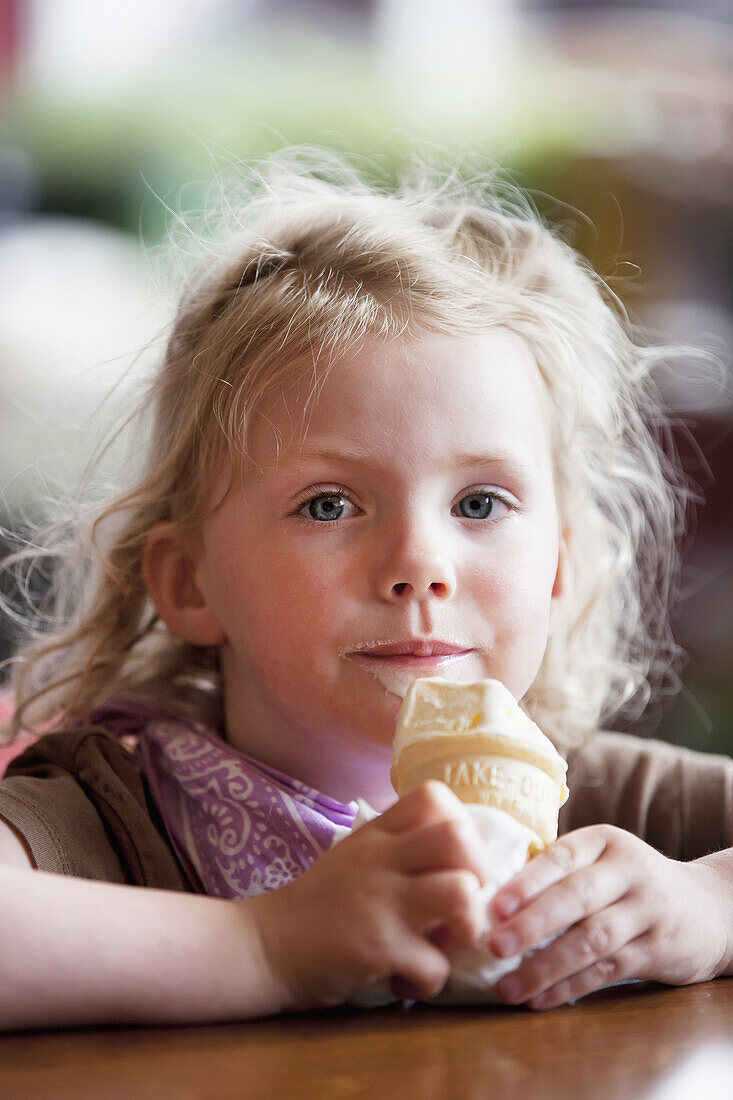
<point>478,740</point>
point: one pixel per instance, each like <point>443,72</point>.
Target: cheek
<point>515,589</point>
<point>279,604</point>
<point>517,602</point>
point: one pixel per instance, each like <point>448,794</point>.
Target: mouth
<point>417,653</point>
<point>396,664</point>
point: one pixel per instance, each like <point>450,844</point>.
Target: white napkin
<point>474,972</point>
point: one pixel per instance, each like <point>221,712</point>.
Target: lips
<point>414,649</point>
<point>395,664</point>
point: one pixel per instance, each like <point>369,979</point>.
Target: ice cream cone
<point>477,740</point>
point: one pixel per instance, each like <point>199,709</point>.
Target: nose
<point>417,565</point>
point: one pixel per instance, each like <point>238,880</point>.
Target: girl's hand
<point>366,911</point>
<point>619,910</point>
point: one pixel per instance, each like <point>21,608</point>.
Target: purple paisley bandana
<point>239,828</point>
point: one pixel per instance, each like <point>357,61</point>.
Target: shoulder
<point>89,755</point>
<point>69,750</point>
<point>45,805</point>
<point>78,801</point>
<point>679,800</point>
<point>605,756</point>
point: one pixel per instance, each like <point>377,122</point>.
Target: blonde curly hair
<point>308,262</point>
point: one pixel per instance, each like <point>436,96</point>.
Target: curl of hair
<point>309,261</point>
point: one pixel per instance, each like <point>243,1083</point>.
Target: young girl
<point>393,435</point>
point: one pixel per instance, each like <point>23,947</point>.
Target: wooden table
<point>619,1044</point>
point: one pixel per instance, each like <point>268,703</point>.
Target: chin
<point>378,722</point>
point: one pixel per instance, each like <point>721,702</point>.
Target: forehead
<point>433,391</point>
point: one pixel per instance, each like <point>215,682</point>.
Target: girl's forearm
<point>721,863</point>
<point>77,952</point>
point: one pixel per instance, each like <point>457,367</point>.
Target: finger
<point>422,971</point>
<point>561,906</point>
<point>625,964</point>
<point>448,906</point>
<point>452,843</point>
<point>590,943</point>
<point>428,803</point>
<point>572,852</point>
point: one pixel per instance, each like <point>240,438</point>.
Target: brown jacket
<point>80,805</point>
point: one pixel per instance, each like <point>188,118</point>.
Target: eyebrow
<point>461,461</point>
<point>495,458</point>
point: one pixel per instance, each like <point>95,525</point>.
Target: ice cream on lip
<point>395,664</point>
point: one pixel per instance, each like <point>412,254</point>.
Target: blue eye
<point>328,506</point>
<point>476,505</point>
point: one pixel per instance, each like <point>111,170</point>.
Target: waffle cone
<point>481,770</point>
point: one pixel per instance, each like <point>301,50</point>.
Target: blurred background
<point>618,118</point>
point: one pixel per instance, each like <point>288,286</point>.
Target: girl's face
<point>410,530</point>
